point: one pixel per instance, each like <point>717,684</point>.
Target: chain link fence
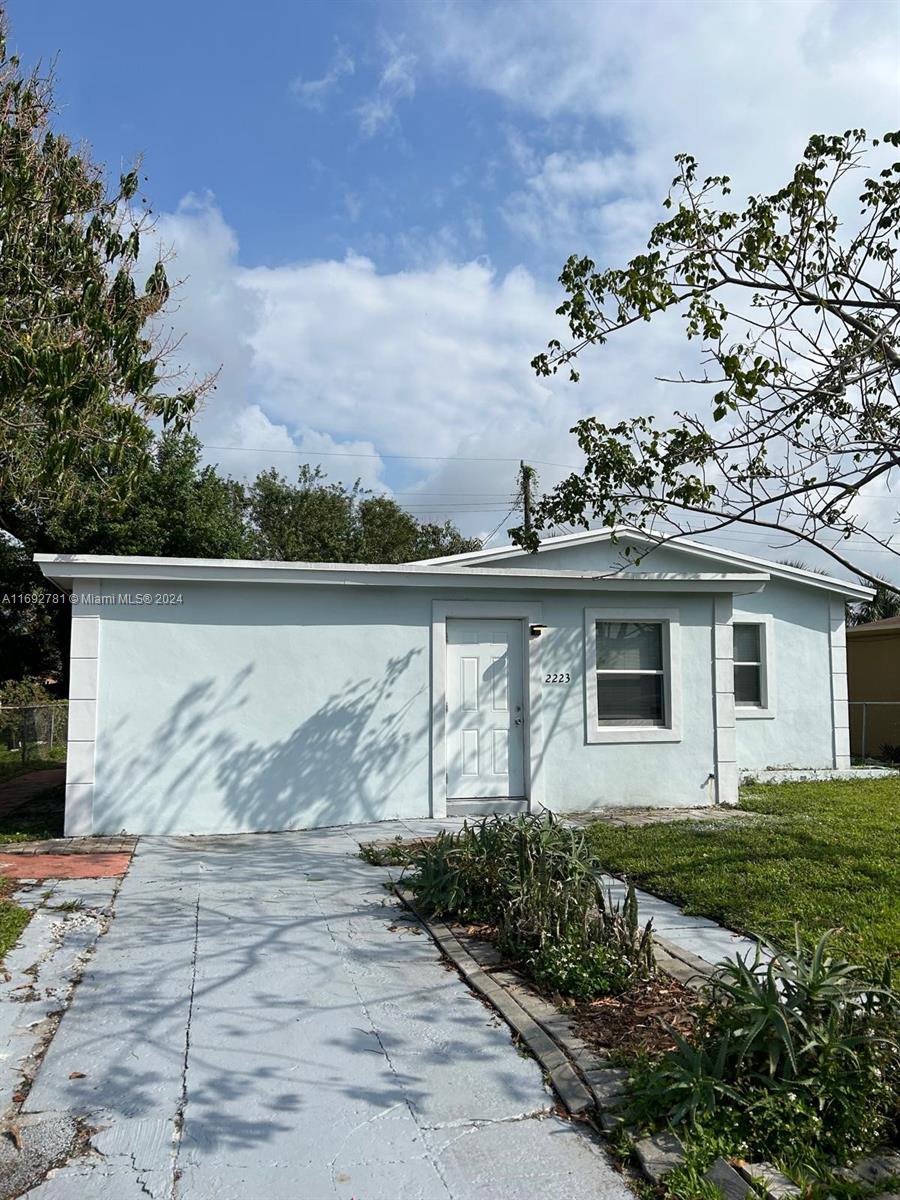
<point>875,730</point>
<point>34,730</point>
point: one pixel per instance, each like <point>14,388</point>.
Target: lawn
<point>37,819</point>
<point>823,855</point>
<point>11,764</point>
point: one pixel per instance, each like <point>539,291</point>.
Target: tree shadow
<point>347,762</point>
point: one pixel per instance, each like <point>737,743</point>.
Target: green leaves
<point>80,375</point>
<point>794,1025</point>
<point>536,882</point>
<point>797,319</point>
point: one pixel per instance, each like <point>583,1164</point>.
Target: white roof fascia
<point>65,569</point>
<point>777,570</point>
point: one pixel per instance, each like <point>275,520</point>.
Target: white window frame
<point>670,619</point>
<point>765,710</point>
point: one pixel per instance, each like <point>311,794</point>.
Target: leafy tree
<point>81,370</point>
<point>176,508</point>
<point>317,521</point>
<point>796,310</point>
<point>21,702</point>
<point>33,636</point>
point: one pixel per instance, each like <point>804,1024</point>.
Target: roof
<point>67,569</point>
<point>885,625</point>
<point>746,561</point>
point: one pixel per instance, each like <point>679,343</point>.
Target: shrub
<point>796,1057</point>
<point>536,882</point>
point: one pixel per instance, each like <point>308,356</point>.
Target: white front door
<point>485,709</point>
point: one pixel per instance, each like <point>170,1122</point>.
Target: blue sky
<point>369,203</point>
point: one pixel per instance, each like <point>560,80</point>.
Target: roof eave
<point>65,570</point>
<point>829,583</point>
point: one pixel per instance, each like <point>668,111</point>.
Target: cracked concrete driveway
<point>261,1022</point>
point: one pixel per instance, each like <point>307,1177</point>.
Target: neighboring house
<point>217,696</point>
<point>873,679</point>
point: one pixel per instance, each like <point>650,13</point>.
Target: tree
<point>176,508</point>
<point>885,603</point>
<point>33,639</point>
<point>794,305</point>
<point>82,368</point>
<point>317,521</point>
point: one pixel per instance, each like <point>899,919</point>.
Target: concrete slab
<point>262,1019</point>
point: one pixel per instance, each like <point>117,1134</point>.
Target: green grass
<point>12,920</point>
<point>11,765</point>
<point>37,819</point>
<point>823,855</point>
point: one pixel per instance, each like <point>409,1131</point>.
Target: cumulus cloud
<point>739,85</point>
<point>343,361</point>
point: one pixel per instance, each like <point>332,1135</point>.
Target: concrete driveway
<point>260,1022</point>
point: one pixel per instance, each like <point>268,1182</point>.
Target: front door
<point>485,709</point>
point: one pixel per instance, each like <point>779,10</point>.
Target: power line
<point>408,457</point>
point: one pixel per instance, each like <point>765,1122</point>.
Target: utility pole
<point>527,480</point>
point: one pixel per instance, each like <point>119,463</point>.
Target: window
<point>748,666</point>
<point>632,675</point>
<point>631,688</point>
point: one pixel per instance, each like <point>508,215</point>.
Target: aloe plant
<point>536,881</point>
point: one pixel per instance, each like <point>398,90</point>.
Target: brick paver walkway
<point>63,866</point>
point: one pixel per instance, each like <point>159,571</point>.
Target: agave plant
<point>801,1043</point>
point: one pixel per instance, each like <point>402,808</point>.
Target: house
<point>222,696</point>
<point>873,680</point>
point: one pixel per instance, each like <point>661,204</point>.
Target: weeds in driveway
<point>534,882</point>
<point>395,853</point>
<point>13,919</point>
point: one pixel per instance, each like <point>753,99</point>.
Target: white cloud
<point>312,93</point>
<point>397,82</point>
<point>740,84</point>
<point>337,358</point>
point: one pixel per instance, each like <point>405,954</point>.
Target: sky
<point>369,203</point>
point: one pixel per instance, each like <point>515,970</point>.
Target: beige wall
<point>873,673</point>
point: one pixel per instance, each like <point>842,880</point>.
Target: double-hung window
<point>631,681</point>
<point>753,692</point>
<point>748,665</point>
<point>631,662</point>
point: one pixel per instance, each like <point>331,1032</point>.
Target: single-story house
<point>873,680</point>
<point>215,696</point>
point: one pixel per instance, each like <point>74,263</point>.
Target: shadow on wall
<point>195,774</point>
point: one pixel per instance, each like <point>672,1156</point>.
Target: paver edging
<point>524,1017</point>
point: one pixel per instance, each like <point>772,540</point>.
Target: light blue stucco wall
<point>800,734</point>
<point>251,707</point>
<point>274,706</point>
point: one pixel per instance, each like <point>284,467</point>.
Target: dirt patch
<point>639,1021</point>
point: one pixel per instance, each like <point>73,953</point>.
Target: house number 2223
<point>558,677</point>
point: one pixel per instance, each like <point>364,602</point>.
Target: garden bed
<point>740,1072</point>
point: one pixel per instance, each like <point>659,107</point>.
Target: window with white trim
<point>632,674</point>
<point>749,665</point>
<point>631,677</point>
